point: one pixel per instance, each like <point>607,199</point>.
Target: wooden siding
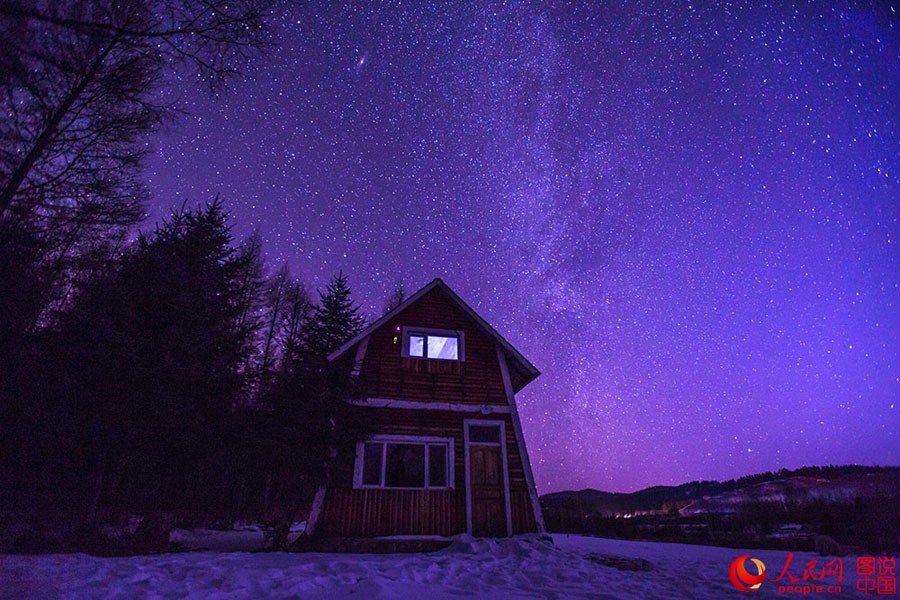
<point>477,380</point>
<point>385,374</point>
<point>522,513</point>
<point>370,513</point>
<point>349,512</point>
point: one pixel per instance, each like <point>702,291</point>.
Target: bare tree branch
<point>77,83</point>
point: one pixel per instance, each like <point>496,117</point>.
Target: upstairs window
<point>434,344</point>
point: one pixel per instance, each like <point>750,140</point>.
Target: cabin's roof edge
<point>384,319</point>
<point>437,282</point>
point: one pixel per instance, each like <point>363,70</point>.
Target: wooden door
<point>486,489</point>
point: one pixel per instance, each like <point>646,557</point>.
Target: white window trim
<point>425,331</point>
<point>360,356</point>
<point>502,444</point>
<point>402,439</point>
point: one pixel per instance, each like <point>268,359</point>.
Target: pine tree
<point>310,419</point>
<point>334,322</point>
<point>150,358</point>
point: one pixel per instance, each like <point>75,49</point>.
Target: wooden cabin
<point>447,454</point>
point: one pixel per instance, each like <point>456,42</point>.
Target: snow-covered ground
<point>241,538</point>
<point>522,567</point>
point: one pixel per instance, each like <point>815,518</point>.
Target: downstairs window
<point>404,462</point>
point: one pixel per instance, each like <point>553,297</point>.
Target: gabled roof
<point>520,364</point>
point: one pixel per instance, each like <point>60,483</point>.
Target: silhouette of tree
<point>396,298</point>
<point>310,420</point>
<point>286,306</point>
<point>151,356</point>
<point>77,91</point>
<point>335,320</point>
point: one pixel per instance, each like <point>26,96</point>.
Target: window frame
<point>425,332</point>
<point>384,440</point>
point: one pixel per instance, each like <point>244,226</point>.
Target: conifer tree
<point>150,358</point>
<point>310,418</point>
<point>335,320</point>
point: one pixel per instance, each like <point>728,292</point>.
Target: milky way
<point>686,216</point>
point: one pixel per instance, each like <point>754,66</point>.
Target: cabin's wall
<point>384,373</point>
<point>352,512</point>
<point>477,380</point>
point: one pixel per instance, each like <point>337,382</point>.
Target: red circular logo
<point>741,577</point>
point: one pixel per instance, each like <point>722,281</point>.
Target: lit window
<point>434,344</point>
<point>446,348</point>
<point>417,345</point>
<point>405,462</point>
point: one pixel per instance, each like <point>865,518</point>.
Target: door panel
<point>488,503</point>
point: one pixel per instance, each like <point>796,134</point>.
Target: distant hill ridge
<point>696,497</point>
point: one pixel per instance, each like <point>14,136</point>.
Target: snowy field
<point>522,567</point>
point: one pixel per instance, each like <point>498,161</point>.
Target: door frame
<point>466,444</point>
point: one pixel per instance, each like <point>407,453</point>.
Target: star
<point>685,217</point>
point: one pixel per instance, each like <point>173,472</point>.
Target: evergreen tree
<point>150,359</point>
<point>334,322</point>
<point>311,419</point>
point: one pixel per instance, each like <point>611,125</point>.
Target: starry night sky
<point>687,216</point>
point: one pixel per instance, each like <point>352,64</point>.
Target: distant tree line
<point>167,373</point>
<point>862,516</point>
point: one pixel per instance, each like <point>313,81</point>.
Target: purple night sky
<point>687,216</point>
